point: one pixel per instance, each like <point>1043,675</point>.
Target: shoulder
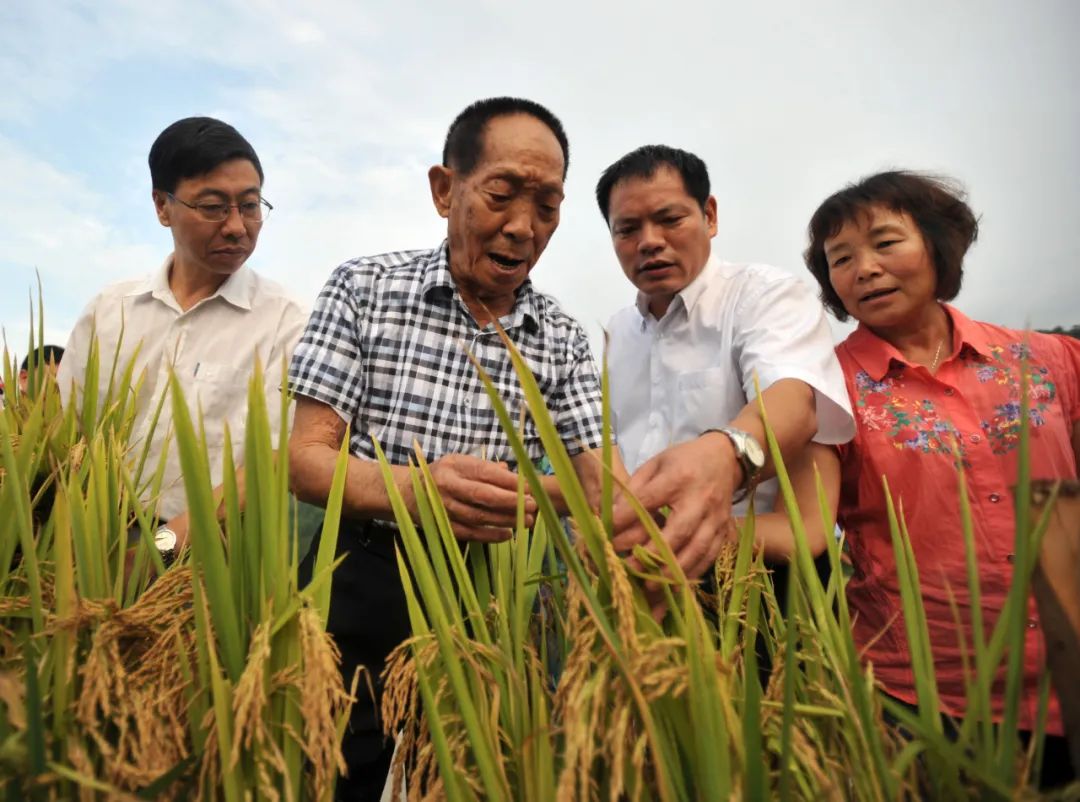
<point>626,319</point>
<point>117,291</point>
<point>392,265</point>
<point>554,321</point>
<point>1060,351</point>
<point>748,287</point>
<point>270,292</point>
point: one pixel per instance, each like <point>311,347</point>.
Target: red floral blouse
<point>906,423</point>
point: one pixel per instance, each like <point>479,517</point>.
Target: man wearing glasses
<point>203,313</point>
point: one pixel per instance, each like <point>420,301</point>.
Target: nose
<point>233,225</point>
<point>519,222</point>
<point>651,239</point>
<point>866,266</point>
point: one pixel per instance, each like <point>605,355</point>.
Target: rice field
<point>536,670</point>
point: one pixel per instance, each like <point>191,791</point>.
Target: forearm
<point>790,406</point>
<point>311,474</point>
<point>772,529</point>
<point>773,535</point>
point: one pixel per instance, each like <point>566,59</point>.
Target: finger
<point>641,487</point>
<point>469,515</point>
<point>698,568</point>
<point>492,473</point>
<point>482,534</point>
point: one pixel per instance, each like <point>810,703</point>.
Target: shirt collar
<point>690,294</point>
<point>876,356</point>
<point>438,283</point>
<point>238,289</point>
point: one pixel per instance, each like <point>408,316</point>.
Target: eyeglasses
<point>217,212</point>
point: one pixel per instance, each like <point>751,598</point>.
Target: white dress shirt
<point>692,370</point>
<point>212,347</point>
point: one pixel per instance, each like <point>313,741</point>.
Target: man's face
<point>218,248</point>
<point>660,233</point>
<point>502,214</point>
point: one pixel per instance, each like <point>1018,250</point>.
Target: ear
<point>161,207</point>
<point>710,215</point>
<point>441,180</point>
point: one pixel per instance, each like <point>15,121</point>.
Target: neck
<point>486,309</point>
<point>922,340</point>
<point>190,285</point>
<point>658,305</point>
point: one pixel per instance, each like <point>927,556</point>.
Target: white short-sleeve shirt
<point>694,369</point>
<point>212,347</point>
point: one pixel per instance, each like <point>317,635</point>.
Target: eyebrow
<point>222,194</point>
<point>876,231</point>
<point>518,180</point>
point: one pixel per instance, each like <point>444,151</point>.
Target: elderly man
<point>683,360</point>
<point>386,351</point>
<point>203,314</point>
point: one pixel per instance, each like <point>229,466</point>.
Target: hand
<point>180,525</point>
<point>696,480</point>
<point>480,497</point>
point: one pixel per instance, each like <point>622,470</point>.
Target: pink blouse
<point>907,421</point>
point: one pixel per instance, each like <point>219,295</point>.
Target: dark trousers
<point>368,618</point>
<point>1056,771</point>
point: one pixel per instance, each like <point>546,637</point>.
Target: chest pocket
<point>220,390</point>
<point>701,399</point>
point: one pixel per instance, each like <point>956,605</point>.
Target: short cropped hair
<point>644,162</point>
<point>195,146</point>
<point>937,205</point>
<point>43,356</point>
<point>465,138</point>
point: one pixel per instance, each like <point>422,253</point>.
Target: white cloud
<point>347,104</point>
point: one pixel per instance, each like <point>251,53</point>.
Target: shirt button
<point>1010,558</point>
<point>949,391</point>
<point>976,439</point>
<point>1032,624</point>
<point>994,498</point>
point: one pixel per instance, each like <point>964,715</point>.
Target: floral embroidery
<point>912,425</point>
<point>1003,367</point>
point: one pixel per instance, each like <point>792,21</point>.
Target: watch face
<point>754,452</point>
<point>165,539</point>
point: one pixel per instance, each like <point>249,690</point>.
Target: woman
<point>924,379</point>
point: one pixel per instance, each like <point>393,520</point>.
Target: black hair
<point>465,137</point>
<point>195,146</point>
<point>937,205</point>
<point>43,356</point>
<point>644,162</point>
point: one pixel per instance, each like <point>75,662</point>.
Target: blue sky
<point>347,104</point>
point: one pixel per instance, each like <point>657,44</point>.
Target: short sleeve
<point>577,405</point>
<point>327,363</point>
<point>781,333</point>
<point>1067,375</point>
<point>71,373</point>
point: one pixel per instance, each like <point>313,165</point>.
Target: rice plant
<point>214,679</point>
<point>536,670</point>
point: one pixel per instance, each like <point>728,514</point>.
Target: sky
<point>347,104</point>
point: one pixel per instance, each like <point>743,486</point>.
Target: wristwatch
<point>165,540</point>
<point>751,457</point>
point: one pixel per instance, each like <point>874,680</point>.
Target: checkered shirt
<point>387,348</point>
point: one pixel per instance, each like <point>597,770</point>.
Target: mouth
<point>655,266</point>
<point>230,251</point>
<point>506,262</point>
<point>873,296</point>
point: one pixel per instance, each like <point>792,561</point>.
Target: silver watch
<point>751,457</point>
<point>165,540</point>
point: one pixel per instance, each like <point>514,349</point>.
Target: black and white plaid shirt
<point>386,347</point>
